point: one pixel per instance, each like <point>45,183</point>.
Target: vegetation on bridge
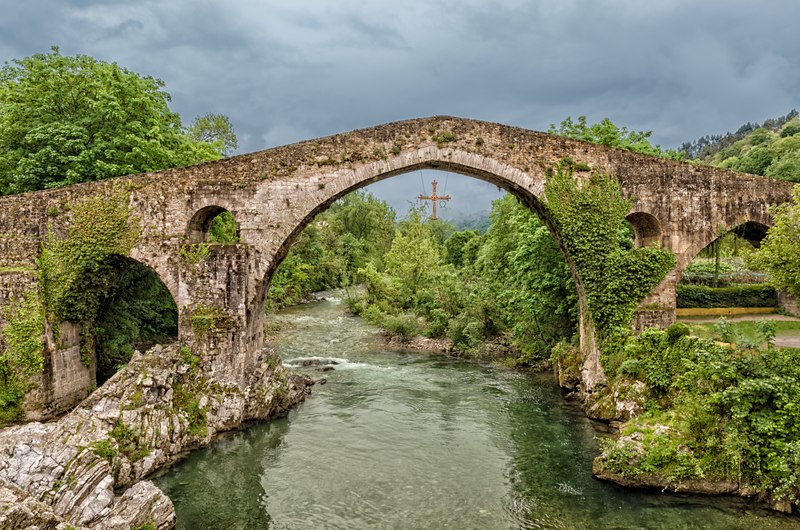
<point>71,119</point>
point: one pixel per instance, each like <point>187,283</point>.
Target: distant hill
<point>475,221</point>
<point>771,148</point>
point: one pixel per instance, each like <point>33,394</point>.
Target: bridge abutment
<point>657,310</point>
<point>215,319</point>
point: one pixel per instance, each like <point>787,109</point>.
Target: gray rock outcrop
<point>85,470</point>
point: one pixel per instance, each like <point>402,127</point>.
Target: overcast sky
<point>288,71</point>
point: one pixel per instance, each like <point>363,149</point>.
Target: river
<point>411,440</point>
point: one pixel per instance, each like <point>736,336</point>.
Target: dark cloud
<point>290,71</point>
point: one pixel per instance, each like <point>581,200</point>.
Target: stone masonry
<point>274,194</point>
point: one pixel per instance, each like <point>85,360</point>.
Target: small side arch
<point>751,231</point>
<point>647,229</point>
<point>200,223</point>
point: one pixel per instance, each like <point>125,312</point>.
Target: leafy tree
<point>786,168</point>
<point>457,248</point>
<point>779,253</point>
<point>137,313</point>
<point>527,277</point>
<point>368,219</point>
<point>215,129</point>
<point>756,161</point>
<point>606,133</point>
<point>413,260</point>
<point>354,232</point>
<point>71,119</point>
<point>223,229</point>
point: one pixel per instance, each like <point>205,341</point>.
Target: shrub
<point>755,295</point>
<point>404,325</point>
<point>676,331</point>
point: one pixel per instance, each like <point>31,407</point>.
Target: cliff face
<point>158,407</point>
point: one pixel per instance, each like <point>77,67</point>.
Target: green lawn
<point>747,328</point>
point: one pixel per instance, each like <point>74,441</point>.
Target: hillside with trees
<point>771,149</point>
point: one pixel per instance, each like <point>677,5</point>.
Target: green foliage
<point>23,333</point>
<point>444,137</point>
<point>460,249</point>
<point>779,253</point>
<point>676,331</point>
<point>412,262</point>
<point>729,269</point>
<point>138,312</point>
<point>71,119</point>
<point>756,161</point>
<point>766,331</point>
<point>223,229</point>
<point>75,272</point>
<point>193,254</point>
<point>725,414</point>
<point>104,449</point>
<point>790,129</point>
<point>206,319</point>
<point>128,442</point>
<point>606,133</point>
<point>752,295</point>
<point>189,405</point>
<point>355,231</point>
<point>725,330</point>
<point>188,357</point>
<point>404,325</point>
<point>214,129</point>
<point>588,218</point>
<point>525,284</point>
<point>12,395</point>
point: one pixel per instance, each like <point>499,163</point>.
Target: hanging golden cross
<point>433,197</point>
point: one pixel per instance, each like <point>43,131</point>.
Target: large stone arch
<point>527,186</point>
<point>753,227</point>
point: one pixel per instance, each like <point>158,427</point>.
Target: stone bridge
<point>274,194</point>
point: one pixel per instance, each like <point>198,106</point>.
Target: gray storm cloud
<point>284,72</point>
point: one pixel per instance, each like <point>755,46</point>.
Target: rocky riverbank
<point>633,446</point>
<point>86,469</point>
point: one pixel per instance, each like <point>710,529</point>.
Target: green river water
<point>410,440</point>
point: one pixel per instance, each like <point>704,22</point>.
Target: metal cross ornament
<point>433,197</point>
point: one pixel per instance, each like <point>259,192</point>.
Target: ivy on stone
<point>75,271</point>
<point>23,335</point>
<point>587,215</point>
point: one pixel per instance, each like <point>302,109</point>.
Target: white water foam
<point>337,362</point>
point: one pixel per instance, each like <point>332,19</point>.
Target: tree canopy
<point>70,119</point>
<point>779,253</point>
<point>606,133</point>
